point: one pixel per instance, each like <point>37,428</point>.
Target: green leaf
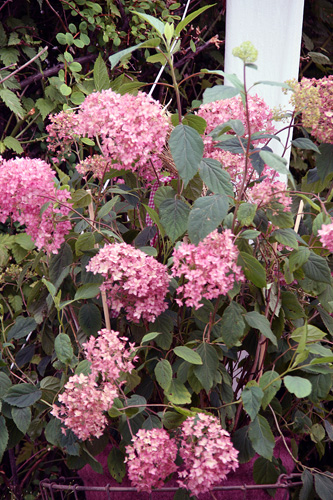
<point>85,241</point>
<point>63,348</point>
<point>87,142</point>
<point>116,465</point>
<point>270,383</point>
<point>306,490</point>
<point>65,90</point>
<point>312,333</point>
<point>286,237</point>
<point>291,307</point>
<point>274,161</point>
<point>59,262</point>
<point>90,319</point>
<point>324,161</point>
<point>186,148</point>
<point>163,373</point>
<point>273,84</point>
<point>22,418</point>
<point>157,58</point>
<point>12,102</point>
<point>188,354</point>
<point>232,325</point>
<point>264,471</point>
<point>22,327</point>
<point>163,193</point>
<point>5,384</point>
<point>219,92</point>
<point>115,58</point>
<point>88,291</point>
<point>252,397</point>
<point>317,269</point>
<point>174,215</point>
<point>177,393</point>
<point>22,395</point>
<point>299,386</point>
<point>153,21</point>
<point>252,269</point>
<point>242,443</point>
<point>4,436</point>
<point>281,219</point>
<point>206,214</point>
<point>102,212</point>
<point>246,213</point>
<point>215,178</point>
<point>249,234</point>
<point>80,199</point>
<point>262,438</point>
<point>193,190</point>
<point>261,323</point>
<point>101,76</point>
<point>150,336</point>
<point>304,143</point>
<point>196,122</point>
<point>180,26</point>
<point>297,258</point>
<point>13,144</point>
<point>323,486</point>
<point>206,372</point>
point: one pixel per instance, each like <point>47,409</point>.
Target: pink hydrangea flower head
<point>83,405</point>
<point>207,452</point>
<point>133,281</point>
<point>151,459</point>
<point>98,165</point>
<point>109,356</point>
<point>218,112</point>
<point>27,185</point>
<point>267,191</point>
<point>209,269</point>
<point>132,129</point>
<point>326,236</point>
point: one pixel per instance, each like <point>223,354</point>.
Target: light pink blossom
<point>209,269</point>
<point>27,186</point>
<point>87,397</point>
<point>326,236</point>
<point>133,281</point>
<point>151,459</point>
<point>207,452</point>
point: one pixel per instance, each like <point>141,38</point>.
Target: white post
<point>275,29</point>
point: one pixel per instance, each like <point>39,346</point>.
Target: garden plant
<point>166,288</point>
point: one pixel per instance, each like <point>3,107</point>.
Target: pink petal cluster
<point>26,185</point>
<point>151,459</point>
<point>266,191</point>
<point>218,112</point>
<point>326,236</point>
<point>314,99</point>
<point>84,400</point>
<point>108,355</point>
<point>133,281</point>
<point>131,130</point>
<point>207,452</point>
<point>209,269</point>
<point>83,405</point>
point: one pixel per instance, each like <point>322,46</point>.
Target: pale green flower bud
<point>247,52</point>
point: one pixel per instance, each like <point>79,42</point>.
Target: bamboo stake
<point>103,293</point>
